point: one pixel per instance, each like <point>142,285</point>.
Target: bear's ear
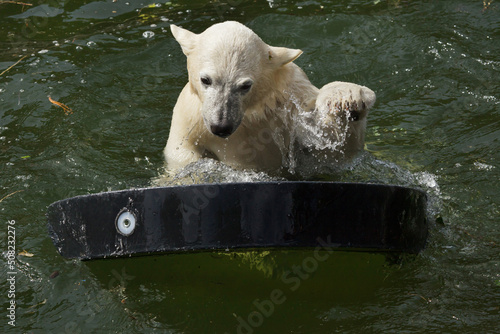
<point>185,38</point>
<point>282,56</point>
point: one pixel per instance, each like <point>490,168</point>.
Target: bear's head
<point>232,71</point>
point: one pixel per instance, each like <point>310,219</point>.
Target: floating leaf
<point>41,303</point>
<point>7,196</point>
<point>25,253</point>
<point>16,3</point>
<point>17,62</point>
<point>67,110</point>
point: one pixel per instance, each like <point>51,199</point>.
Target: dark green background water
<point>435,68</point>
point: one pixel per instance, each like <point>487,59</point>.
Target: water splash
<point>210,171</point>
<point>148,34</point>
<point>368,169</point>
<point>313,139</point>
<point>310,152</point>
<point>317,130</point>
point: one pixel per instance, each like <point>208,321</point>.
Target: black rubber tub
<point>227,216</point>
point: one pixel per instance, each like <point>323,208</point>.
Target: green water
<point>435,68</point>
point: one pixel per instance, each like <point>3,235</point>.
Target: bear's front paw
<point>342,100</point>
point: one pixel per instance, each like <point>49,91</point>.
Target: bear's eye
<point>206,81</point>
<point>245,87</point>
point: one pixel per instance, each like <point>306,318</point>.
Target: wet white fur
<point>230,54</point>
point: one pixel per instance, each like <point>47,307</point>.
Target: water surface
<point>434,66</point>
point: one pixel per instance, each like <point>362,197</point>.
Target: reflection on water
<point>226,289</point>
<point>434,66</point>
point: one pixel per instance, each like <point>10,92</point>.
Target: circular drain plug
<point>125,222</point>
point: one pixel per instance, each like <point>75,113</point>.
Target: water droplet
<point>43,51</point>
<point>120,39</point>
<point>148,34</point>
<point>91,44</point>
<point>79,48</point>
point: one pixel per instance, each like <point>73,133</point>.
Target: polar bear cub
<point>248,105</point>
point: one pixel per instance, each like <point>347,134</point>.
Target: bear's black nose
<point>221,130</point>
